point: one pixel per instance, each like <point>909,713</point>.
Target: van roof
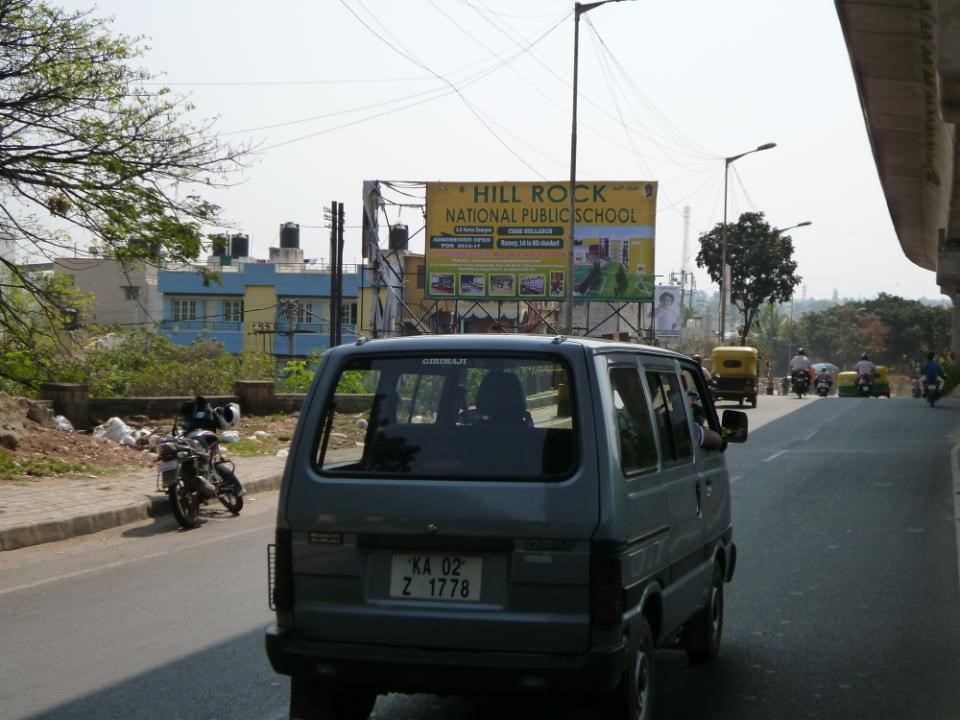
<point>516,342</point>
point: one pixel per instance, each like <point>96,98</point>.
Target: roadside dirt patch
<point>29,438</point>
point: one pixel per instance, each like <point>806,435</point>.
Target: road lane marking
<point>130,561</point>
<point>774,456</point>
<point>809,437</point>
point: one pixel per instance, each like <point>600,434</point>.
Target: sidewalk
<point>35,513</point>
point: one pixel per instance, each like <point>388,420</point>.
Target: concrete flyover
<point>905,56</point>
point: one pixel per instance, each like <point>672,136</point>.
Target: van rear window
<point>457,417</point>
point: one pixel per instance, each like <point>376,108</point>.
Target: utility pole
<point>336,273</point>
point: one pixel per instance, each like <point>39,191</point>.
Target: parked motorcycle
<point>823,384</point>
<point>931,391</point>
<point>800,382</point>
<point>191,468</point>
<point>864,384</point>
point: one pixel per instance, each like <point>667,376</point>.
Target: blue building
<point>281,308</point>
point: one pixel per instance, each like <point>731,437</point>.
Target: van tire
<point>311,701</point>
<point>701,638</point>
<point>632,698</point>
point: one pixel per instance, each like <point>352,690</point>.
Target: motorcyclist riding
<point>824,378</point>
<point>865,366</point>
<point>932,372</point>
<point>800,361</point>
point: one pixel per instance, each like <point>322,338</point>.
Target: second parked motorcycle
<point>191,468</point>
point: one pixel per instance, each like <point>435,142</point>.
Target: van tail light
<point>606,590</point>
<point>280,572</point>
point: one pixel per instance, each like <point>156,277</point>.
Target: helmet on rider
<point>696,356</point>
<point>864,357</point>
<point>931,355</point>
<point>800,351</point>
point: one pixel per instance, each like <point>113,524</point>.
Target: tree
<point>894,331</point>
<point>84,147</point>
<point>762,268</point>
<point>771,327</point>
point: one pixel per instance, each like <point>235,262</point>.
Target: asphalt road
<point>846,601</point>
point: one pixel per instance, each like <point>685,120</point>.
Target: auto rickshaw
<point>736,373</point>
<point>847,383</point>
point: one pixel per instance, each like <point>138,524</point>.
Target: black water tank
<point>399,236</point>
<point>218,245</point>
<point>290,235</point>
<point>240,245</point>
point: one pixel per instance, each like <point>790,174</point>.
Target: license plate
<point>168,472</point>
<point>435,577</point>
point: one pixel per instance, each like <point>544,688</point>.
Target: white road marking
<point>121,563</point>
<point>774,456</point>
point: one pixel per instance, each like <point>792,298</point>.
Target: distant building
<point>279,308</point>
<point>123,295</point>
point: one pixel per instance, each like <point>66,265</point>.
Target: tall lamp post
<point>723,236</point>
<point>781,231</point>
<point>578,10</point>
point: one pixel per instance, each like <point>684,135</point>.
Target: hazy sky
<point>335,92</point>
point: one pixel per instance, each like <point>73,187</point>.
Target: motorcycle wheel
<point>185,504</point>
<point>231,502</point>
<point>931,398</point>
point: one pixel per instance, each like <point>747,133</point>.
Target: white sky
<point>335,92</point>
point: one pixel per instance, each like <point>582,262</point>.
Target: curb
<point>38,533</point>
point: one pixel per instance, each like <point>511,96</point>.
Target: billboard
<point>668,311</point>
<point>510,241</point>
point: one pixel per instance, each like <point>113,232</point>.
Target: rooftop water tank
<point>290,235</point>
<point>399,237</point>
<point>240,245</point>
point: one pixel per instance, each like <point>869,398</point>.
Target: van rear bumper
<point>389,669</point>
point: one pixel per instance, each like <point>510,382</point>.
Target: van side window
<point>669,409</point>
<point>697,396</point>
<point>638,449</point>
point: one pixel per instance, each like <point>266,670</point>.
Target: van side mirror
<point>733,426</point>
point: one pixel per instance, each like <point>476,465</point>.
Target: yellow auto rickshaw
<point>847,383</point>
<point>736,373</point>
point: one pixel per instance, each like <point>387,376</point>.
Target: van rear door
<point>464,519</point>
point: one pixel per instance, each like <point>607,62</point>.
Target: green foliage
<point>762,268</point>
<point>144,363</point>
<point>32,344</point>
<point>893,331</point>
<point>352,382</point>
<point>90,143</point>
<point>296,375</point>
<point>12,469</point>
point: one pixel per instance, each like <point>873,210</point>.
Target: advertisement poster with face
<point>667,311</point>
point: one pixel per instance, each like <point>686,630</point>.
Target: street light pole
<point>578,10</point>
<point>723,236</point>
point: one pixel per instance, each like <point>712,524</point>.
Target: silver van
<point>523,513</point>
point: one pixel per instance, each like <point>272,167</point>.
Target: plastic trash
<point>62,423</point>
<point>116,430</point>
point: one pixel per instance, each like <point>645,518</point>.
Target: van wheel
<point>311,701</point>
<point>632,699</point>
<point>701,638</point>
<point>753,401</point>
